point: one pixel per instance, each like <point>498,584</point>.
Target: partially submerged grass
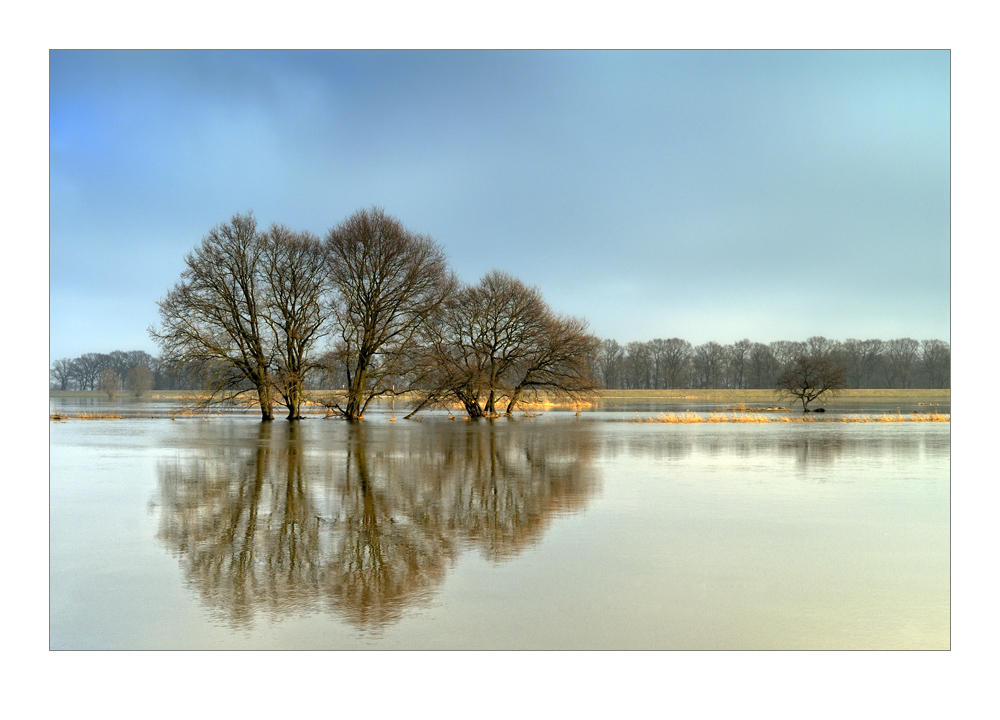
<point>116,415</point>
<point>899,417</point>
<point>86,416</point>
<point>694,418</point>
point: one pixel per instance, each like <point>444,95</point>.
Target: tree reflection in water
<point>369,527</point>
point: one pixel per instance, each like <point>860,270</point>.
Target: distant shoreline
<point>710,395</point>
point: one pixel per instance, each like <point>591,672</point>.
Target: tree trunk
<point>472,407</point>
<point>294,402</point>
<point>513,400</point>
<point>264,396</point>
<point>355,405</point>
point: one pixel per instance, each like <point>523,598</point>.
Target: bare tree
<point>638,365</point>
<point>139,380</point>
<point>763,367</point>
<point>785,351</point>
<point>860,359</point>
<point>709,363</point>
<point>900,361</point>
<point>657,350</point>
<point>61,374</point>
<point>87,370</point>
<point>562,362</point>
<point>609,361</point>
<point>293,265</point>
<point>121,362</point>
<point>214,320</point>
<point>676,362</point>
<point>141,357</point>
<point>738,361</point>
<point>387,282</point>
<point>110,383</point>
<point>498,340</point>
<point>819,346</point>
<point>936,361</point>
<point>808,377</point>
<point>483,332</point>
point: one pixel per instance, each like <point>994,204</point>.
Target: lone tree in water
<point>387,282</point>
<point>809,377</point>
<point>109,383</point>
<point>139,380</point>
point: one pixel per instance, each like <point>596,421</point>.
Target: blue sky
<point>703,195</point>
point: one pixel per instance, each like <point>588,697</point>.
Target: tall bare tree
<point>214,320</point>
<point>936,360</point>
<point>860,359</point>
<point>900,361</point>
<point>387,282</point>
<point>638,365</point>
<point>763,367</point>
<point>293,266</point>
<point>709,361</point>
<point>609,362</point>
<point>738,362</point>
<point>676,362</point>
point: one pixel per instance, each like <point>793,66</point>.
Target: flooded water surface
<point>557,531</point>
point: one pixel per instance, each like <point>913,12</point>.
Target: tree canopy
<point>810,377</point>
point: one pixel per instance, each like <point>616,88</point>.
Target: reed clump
<point>899,417</point>
<point>86,416</point>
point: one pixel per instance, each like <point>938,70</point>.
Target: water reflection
<point>807,446</point>
<point>365,520</point>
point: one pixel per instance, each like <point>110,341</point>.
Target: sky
<point>706,195</point>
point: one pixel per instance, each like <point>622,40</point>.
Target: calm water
<point>550,532</point>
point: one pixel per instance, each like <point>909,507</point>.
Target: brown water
<point>549,532</point>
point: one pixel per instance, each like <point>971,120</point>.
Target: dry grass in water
<point>899,417</point>
<point>754,418</point>
<point>112,415</point>
<point>86,416</point>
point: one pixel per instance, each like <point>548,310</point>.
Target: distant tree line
<point>132,371</point>
<point>866,364</point>
<point>657,364</point>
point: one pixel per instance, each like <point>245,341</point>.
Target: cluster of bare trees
<point>676,363</point>
<point>134,371</point>
<point>492,344</point>
<point>371,309</point>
